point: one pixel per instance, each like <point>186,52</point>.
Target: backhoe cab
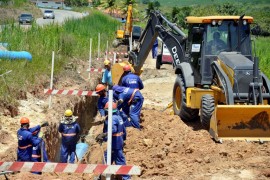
<point>217,76</point>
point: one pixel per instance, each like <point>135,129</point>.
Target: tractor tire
<point>158,61</point>
<point>179,102</point>
<point>206,111</point>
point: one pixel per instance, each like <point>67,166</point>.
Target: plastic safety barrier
<point>69,168</point>
<point>70,92</point>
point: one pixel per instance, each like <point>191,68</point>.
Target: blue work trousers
<point>118,158</point>
<point>67,150</point>
<point>135,112</point>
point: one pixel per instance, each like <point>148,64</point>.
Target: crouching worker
<point>118,134</point>
<point>26,141</point>
<point>69,129</point>
<point>39,153</point>
<point>131,102</point>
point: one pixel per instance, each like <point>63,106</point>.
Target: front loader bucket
<point>241,122</point>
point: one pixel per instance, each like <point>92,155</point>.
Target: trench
<point>86,110</point>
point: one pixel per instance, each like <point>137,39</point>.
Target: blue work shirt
<point>132,81</point>
<point>101,104</point>
<point>26,141</point>
<point>36,150</point>
<point>126,96</point>
<point>69,132</point>
<point>107,77</point>
<point>118,131</point>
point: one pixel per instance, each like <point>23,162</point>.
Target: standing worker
<point>107,75</point>
<point>103,99</point>
<point>69,129</point>
<point>39,153</point>
<point>26,141</point>
<point>118,133</point>
<point>155,49</point>
<point>131,80</point>
<point>131,101</point>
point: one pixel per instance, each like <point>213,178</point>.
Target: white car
<point>164,57</point>
<point>48,14</point>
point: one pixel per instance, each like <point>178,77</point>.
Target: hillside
<point>179,3</point>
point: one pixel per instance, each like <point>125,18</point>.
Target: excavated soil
<point>166,148</point>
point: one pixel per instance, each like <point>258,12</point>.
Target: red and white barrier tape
<point>122,53</point>
<point>70,92</point>
<point>69,168</point>
<point>95,70</point>
<point>110,59</point>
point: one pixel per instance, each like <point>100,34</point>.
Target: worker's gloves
<point>120,101</point>
<point>45,123</point>
<point>100,137</point>
<point>40,134</point>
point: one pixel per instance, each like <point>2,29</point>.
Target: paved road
<point>60,17</point>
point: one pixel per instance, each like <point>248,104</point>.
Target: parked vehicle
<point>164,57</point>
<point>26,18</point>
<point>48,14</point>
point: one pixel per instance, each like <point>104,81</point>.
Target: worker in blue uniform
<point>107,75</point>
<point>103,99</point>
<point>39,153</point>
<point>26,141</point>
<point>70,130</point>
<point>130,79</point>
<point>155,49</point>
<point>130,101</point>
<point>118,133</point>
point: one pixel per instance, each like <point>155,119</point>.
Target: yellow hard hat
<point>107,62</point>
<point>68,113</point>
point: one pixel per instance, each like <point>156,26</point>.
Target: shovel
<point>168,106</point>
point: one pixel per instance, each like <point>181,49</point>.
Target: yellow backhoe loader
<point>218,80</point>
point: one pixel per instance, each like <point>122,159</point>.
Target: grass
<point>68,41</point>
<point>262,50</point>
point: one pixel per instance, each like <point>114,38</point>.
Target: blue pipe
<point>15,55</point>
<point>81,149</point>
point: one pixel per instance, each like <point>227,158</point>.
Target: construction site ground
<point>166,148</point>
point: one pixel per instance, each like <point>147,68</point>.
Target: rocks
<point>148,142</point>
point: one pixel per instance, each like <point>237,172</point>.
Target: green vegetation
<point>68,41</point>
<point>262,50</point>
<point>181,3</point>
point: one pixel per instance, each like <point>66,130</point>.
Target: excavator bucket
<point>117,71</point>
<point>241,122</point>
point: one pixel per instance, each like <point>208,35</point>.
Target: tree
<point>156,4</point>
<point>110,4</point>
<point>124,5</point>
<point>150,8</point>
<point>227,9</point>
<point>179,15</point>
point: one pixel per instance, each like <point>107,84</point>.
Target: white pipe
<point>107,50</point>
<point>130,42</point>
<point>114,57</point>
<point>109,141</point>
<point>51,84</point>
<point>90,57</point>
<point>98,46</point>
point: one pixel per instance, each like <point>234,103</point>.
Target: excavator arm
<point>170,34</point>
